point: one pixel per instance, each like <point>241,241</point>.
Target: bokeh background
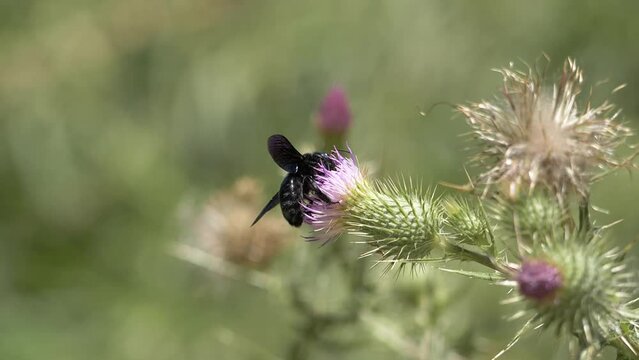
<point>118,118</point>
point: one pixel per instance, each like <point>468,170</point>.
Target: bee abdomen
<point>291,196</point>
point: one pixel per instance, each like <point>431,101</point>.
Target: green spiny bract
<point>529,218</point>
<point>627,341</point>
<point>400,223</point>
<point>468,223</point>
<point>592,302</point>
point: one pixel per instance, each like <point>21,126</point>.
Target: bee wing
<point>284,153</point>
<point>271,204</point>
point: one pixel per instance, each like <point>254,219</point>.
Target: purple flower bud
<point>334,117</point>
<point>538,279</point>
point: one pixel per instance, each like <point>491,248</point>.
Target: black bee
<point>299,184</point>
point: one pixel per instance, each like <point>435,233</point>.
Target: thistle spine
<point>399,224</point>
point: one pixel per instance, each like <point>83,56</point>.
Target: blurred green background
<point>112,113</point>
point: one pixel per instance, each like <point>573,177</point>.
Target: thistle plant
<point>217,227</point>
<point>526,218</point>
<point>537,134</point>
<point>333,118</point>
<point>391,220</point>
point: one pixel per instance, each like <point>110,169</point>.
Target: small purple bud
<point>538,279</point>
<point>334,117</point>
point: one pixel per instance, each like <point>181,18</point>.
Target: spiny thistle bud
<point>469,225</point>
<point>399,223</point>
<point>334,116</point>
<point>529,217</point>
<point>538,280</point>
<point>577,285</point>
<point>540,135</point>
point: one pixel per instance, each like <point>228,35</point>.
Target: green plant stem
<point>479,257</point>
<point>316,323</point>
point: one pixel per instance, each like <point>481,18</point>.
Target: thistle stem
<point>481,258</point>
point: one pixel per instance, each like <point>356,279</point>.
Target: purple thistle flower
<point>338,185</point>
<point>334,117</point>
<point>395,221</point>
<point>538,279</point>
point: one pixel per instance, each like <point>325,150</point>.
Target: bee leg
<point>311,185</point>
<point>323,197</point>
<point>271,204</point>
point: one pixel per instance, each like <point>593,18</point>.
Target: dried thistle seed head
<point>538,134</point>
<point>221,228</point>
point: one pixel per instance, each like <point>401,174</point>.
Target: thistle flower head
<point>540,135</point>
<point>334,116</point>
<point>397,222</point>
<point>219,226</point>
<point>575,283</point>
<point>338,184</point>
